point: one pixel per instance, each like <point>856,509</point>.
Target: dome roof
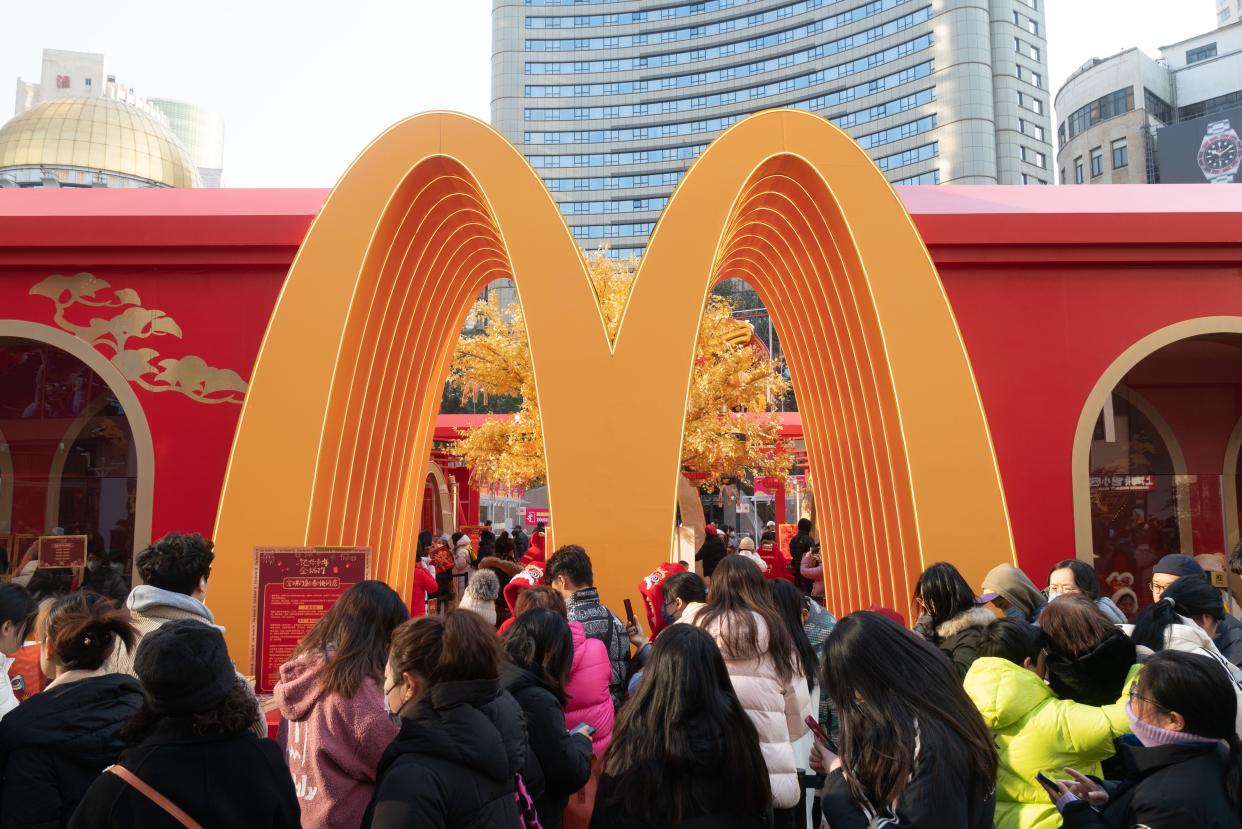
<point>96,134</point>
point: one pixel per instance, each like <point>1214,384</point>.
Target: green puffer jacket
<point>1037,732</point>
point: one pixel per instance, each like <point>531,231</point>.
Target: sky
<point>304,86</point>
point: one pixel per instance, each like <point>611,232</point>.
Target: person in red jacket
<point>332,694</point>
<point>535,554</point>
<point>424,577</point>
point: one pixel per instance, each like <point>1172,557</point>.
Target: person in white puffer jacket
<point>763,665</point>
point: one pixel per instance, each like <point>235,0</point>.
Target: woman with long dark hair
<point>684,752</point>
<point>914,749</point>
<point>765,667</point>
<point>462,742</point>
<point>539,652</point>
<point>17,619</point>
<point>1076,576</point>
<point>331,693</point>
<point>952,620</point>
<point>1089,657</point>
<point>54,745</point>
<point>192,744</point>
<point>1188,771</point>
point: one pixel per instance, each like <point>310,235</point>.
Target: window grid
<point>1121,154</point>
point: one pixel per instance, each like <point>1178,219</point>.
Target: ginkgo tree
<point>731,429</point>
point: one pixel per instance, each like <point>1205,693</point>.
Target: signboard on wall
<point>293,588</point>
<point>536,515</point>
<point>1201,150</point>
<point>62,550</point>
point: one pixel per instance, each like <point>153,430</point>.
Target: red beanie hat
<point>528,578</point>
<point>652,590</point>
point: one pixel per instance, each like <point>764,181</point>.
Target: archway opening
<point>71,462</point>
<point>1162,473</point>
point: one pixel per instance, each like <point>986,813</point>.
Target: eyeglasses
<point>1134,694</point>
<point>1060,589</point>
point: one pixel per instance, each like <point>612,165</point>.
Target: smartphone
<point>820,733</point>
<point>629,612</point>
<point>1047,782</point>
<point>586,729</point>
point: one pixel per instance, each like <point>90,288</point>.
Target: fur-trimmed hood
<point>979,617</point>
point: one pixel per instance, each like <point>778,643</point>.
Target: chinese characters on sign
<point>535,516</point>
<point>62,551</point>
<point>1124,483</point>
<point>293,588</point>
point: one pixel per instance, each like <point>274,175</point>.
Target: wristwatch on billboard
<point>1220,153</point>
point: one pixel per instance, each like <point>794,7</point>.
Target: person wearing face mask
<point>1188,770</point>
<point>1035,731</point>
<point>462,739</point>
<point>17,618</point>
<point>682,591</point>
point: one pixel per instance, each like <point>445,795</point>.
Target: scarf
<point>1153,735</point>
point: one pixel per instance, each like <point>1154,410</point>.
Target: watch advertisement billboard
<point>293,588</point>
<point>1201,150</point>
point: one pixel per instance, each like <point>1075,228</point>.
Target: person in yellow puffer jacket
<point>1035,731</point>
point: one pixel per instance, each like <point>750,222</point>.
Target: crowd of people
<point>508,694</point>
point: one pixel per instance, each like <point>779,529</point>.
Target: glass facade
<point>612,103</point>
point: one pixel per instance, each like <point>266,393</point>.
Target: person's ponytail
<point>1233,775</point>
<point>83,628</point>
<point>1150,627</point>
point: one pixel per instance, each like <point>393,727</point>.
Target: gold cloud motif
<point>190,375</point>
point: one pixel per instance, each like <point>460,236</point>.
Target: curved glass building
<point>612,101</point>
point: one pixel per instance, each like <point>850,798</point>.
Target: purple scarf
<point>1153,735</point>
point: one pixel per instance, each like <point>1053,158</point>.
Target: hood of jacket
<point>147,600</point>
<point>471,723</point>
<point>1004,692</point>
<point>300,685</point>
<point>1014,587</point>
<point>515,680</point>
<point>1094,678</point>
<point>976,617</point>
<point>78,718</point>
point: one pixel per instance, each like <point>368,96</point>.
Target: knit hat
<point>480,596</point>
<point>184,667</point>
<point>745,544</point>
<point>528,578</point>
<point>1176,564</point>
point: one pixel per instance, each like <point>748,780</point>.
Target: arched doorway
<point>77,452</point>
<point>1151,457</point>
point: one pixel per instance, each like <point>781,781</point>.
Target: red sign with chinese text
<point>62,551</point>
<point>293,588</point>
<point>534,515</point>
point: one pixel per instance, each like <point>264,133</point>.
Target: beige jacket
<point>778,709</point>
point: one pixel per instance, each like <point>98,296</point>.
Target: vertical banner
<point>784,534</point>
<point>293,588</point>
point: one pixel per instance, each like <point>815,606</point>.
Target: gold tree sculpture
<point>731,429</point>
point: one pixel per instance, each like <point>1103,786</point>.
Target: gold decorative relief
<point>128,320</point>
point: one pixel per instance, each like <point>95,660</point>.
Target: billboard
<point>1202,150</point>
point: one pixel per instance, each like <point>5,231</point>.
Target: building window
<point>1025,49</point>
<point>1034,157</point>
<point>1023,22</point>
<point>1157,107</point>
<point>1201,53</point>
<point>1033,78</point>
<point>1101,109</point>
<point>1035,131</point>
<point>1030,102</point>
<point>1121,154</point>
<point>1078,179</point>
<point>1209,107</point>
<point>1097,162</point>
<point>1062,175</point>
<point>1032,180</point>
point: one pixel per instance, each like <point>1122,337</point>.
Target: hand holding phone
<point>629,612</point>
<point>585,729</point>
<point>820,734</point>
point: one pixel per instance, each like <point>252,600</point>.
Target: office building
<point>1228,11</point>
<point>611,102</point>
<point>1131,119</point>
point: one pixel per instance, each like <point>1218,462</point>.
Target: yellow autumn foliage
<point>731,430</point>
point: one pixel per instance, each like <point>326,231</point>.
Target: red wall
<point>1049,284</point>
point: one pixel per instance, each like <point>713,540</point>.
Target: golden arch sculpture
<point>334,435</point>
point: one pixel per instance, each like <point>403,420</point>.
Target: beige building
<point>612,101</point>
<point>1112,110</point>
<point>1228,11</point>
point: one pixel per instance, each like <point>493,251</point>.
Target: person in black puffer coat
<point>952,620</point>
<point>455,762</point>
<point>54,745</point>
<point>1088,656</point>
<point>539,651</point>
<point>1188,771</point>
<point>194,744</point>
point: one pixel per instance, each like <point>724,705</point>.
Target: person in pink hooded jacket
<point>331,693</point>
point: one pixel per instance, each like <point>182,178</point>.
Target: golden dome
<point>96,134</point>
